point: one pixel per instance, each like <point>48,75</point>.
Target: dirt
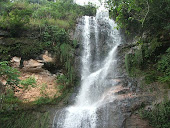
<point>46,85</point>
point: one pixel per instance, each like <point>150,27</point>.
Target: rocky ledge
<point>120,105</point>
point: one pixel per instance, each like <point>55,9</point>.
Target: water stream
<point>98,60</point>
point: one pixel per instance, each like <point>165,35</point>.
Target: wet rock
<point>118,105</point>
<point>124,91</point>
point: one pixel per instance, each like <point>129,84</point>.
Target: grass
<point>28,82</point>
<point>40,23</point>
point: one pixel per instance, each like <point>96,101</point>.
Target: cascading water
<point>94,72</point>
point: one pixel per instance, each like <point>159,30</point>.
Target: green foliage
<point>62,46</point>
<point>153,49</point>
<point>24,47</point>
<point>4,52</point>
<point>151,59</point>
<point>61,87</point>
<point>67,57</point>
<point>144,16</point>
<point>4,5</point>
<point>137,16</point>
<point>128,13</point>
<point>24,119</point>
<point>133,62</point>
<point>163,66</point>
<point>8,101</point>
<point>55,35</point>
<point>62,79</point>
<point>9,74</point>
<point>15,20</point>
<point>75,43</point>
<point>43,100</point>
<point>159,115</point>
<point>28,82</point>
<point>21,15</point>
<point>63,82</point>
<point>151,77</point>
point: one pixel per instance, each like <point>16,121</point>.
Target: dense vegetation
<point>158,116</point>
<point>24,119</point>
<point>148,23</point>
<point>24,14</point>
<point>27,29</point>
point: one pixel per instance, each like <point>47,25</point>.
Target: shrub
<point>9,74</point>
<point>24,119</point>
<point>15,20</point>
<point>8,101</point>
<point>138,16</point>
<point>151,77</point>
<point>163,66</point>
<point>28,82</point>
<point>159,115</point>
<point>43,100</point>
<point>63,81</point>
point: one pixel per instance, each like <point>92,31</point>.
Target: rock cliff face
<point>122,100</point>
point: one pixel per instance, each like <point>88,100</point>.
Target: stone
<point>47,57</point>
<point>32,66</point>
<point>3,81</point>
<point>15,62</point>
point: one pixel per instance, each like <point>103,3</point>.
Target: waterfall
<point>86,57</point>
<point>95,72</point>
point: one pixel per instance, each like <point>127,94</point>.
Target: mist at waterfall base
<point>98,61</point>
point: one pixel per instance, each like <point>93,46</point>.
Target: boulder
<point>47,57</point>
<point>2,81</point>
<point>32,66</point>
<point>15,62</point>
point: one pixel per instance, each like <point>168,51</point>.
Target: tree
<point>15,20</point>
<point>141,15</point>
